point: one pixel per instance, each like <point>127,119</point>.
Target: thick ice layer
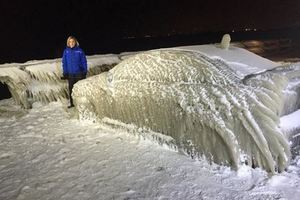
<point>40,80</point>
<point>243,62</point>
<point>198,101</point>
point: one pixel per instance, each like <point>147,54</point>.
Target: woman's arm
<point>64,64</point>
<point>83,62</point>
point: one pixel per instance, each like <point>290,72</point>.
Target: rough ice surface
<point>292,90</point>
<point>233,89</point>
<point>40,80</point>
<point>290,116</point>
<point>200,102</point>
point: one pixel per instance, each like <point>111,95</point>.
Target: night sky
<point>38,29</point>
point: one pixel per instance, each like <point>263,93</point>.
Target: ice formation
<point>292,90</point>
<point>40,80</point>
<point>225,43</point>
<point>289,122</point>
<point>17,81</point>
<point>198,101</point>
<point>220,104</point>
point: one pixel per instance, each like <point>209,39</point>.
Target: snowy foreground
<point>46,154</point>
<point>232,106</point>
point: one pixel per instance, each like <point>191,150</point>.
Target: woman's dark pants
<point>72,81</point>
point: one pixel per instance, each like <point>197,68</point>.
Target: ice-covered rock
<point>198,101</point>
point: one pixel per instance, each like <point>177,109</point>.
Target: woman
<point>74,64</point>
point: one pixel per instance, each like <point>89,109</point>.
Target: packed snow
<point>47,153</point>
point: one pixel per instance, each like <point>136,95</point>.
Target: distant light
<point>130,37</point>
<point>250,29</point>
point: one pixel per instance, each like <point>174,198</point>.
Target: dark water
<point>92,44</point>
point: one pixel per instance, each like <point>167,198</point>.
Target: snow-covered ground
<point>45,153</point>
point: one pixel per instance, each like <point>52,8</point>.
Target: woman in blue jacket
<point>74,64</point>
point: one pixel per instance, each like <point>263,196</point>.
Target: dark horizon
<point>38,30</point>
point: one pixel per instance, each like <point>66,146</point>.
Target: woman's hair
<point>72,37</point>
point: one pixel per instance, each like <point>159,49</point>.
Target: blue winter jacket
<point>74,62</point>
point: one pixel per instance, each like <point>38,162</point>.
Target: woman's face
<point>72,43</point>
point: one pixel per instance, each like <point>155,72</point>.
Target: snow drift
<point>200,102</point>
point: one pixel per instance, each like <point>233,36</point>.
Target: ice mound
<point>17,81</point>
<point>198,101</point>
<point>39,81</point>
